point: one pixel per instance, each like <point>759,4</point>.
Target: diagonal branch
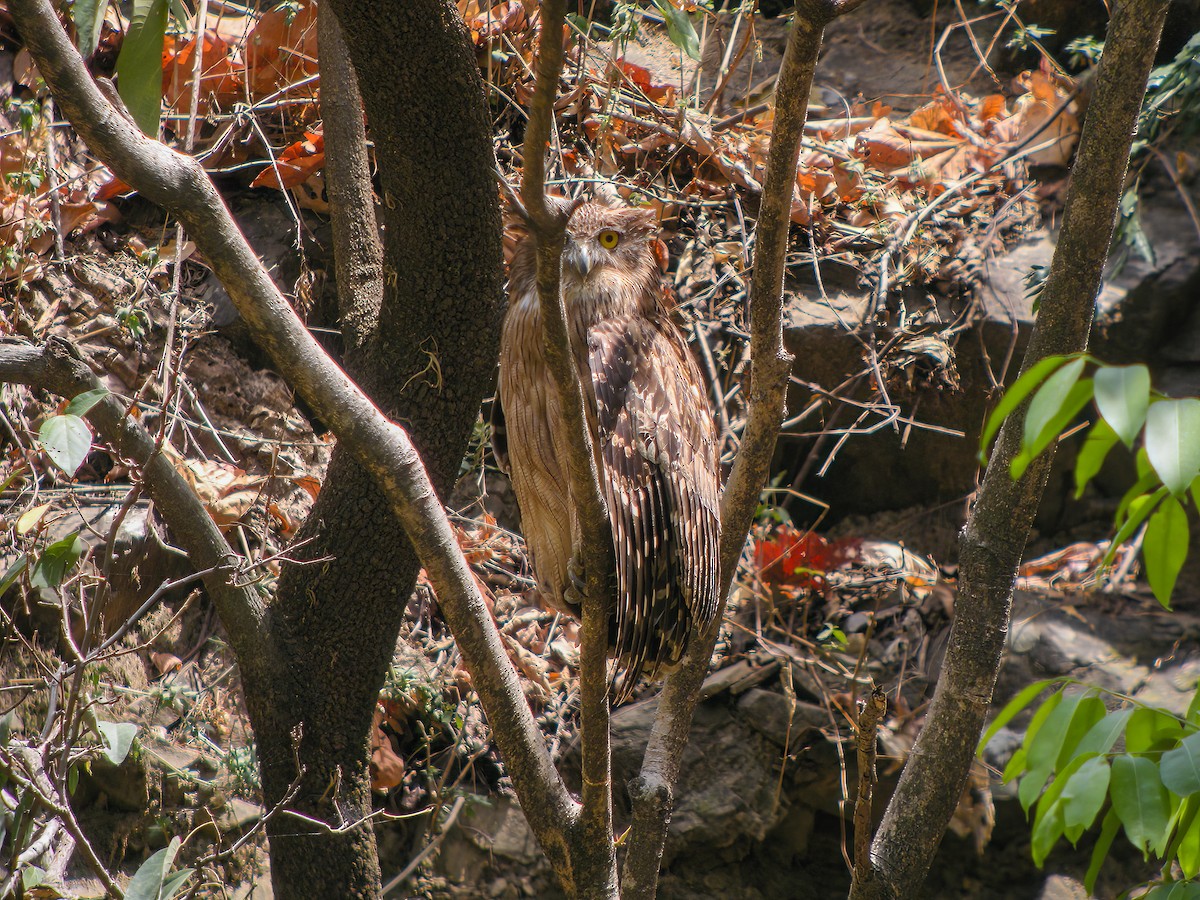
<point>652,790</point>
<point>994,538</point>
<point>180,185</point>
<point>548,222</point>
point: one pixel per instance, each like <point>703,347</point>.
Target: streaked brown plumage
<point>653,430</point>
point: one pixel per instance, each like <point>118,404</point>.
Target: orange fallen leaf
<point>296,164</point>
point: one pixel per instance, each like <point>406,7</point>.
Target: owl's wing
<point>658,449</point>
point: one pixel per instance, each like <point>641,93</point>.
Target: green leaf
<point>1123,396</point>
<point>118,739</point>
<point>1140,800</point>
<point>1083,796</point>
<point>1108,831</point>
<point>139,67</point>
<point>1014,396</point>
<point>1044,746</point>
<point>1174,890</point>
<point>1088,712</point>
<point>1139,508</point>
<point>174,883</point>
<point>1193,710</point>
<point>1151,730</point>
<point>82,405</point>
<point>32,876</point>
<point>680,28</point>
<point>1180,768</point>
<point>1011,709</point>
<point>52,565</point>
<point>1105,732</point>
<point>1016,765</point>
<point>1076,399</point>
<point>1165,548</point>
<point>1050,807</point>
<point>1173,441</point>
<point>89,18</point>
<point>67,441</point>
<point>1099,441</point>
<point>20,564</point>
<point>1188,849</point>
<point>1047,829</point>
<point>148,881</point>
<point>1048,402</point>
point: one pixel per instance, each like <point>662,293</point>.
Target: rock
<point>1061,887</point>
<point>487,827</point>
<point>778,720</point>
<point>727,795</point>
<point>1146,312</point>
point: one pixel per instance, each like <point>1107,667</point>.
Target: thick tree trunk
<point>427,360</point>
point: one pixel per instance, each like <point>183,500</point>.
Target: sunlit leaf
<point>1104,734</point>
<point>148,881</point>
<point>1014,396</point>
<point>1138,511</point>
<point>1088,712</point>
<point>1152,729</point>
<point>1165,548</point>
<point>680,28</point>
<point>82,404</point>
<point>1108,831</point>
<point>1173,441</point>
<point>118,739</point>
<point>1048,401</point>
<point>1188,849</point>
<point>67,440</point>
<point>1047,829</point>
<point>1123,396</point>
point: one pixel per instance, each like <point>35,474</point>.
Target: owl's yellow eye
<point>609,239</point>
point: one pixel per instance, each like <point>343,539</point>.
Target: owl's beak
<point>579,259</point>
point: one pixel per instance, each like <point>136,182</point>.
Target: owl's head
<point>609,245</point>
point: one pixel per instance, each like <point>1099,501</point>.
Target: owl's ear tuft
<point>644,217</point>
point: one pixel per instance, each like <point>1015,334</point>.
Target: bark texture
<point>427,360</point>
<point>994,538</point>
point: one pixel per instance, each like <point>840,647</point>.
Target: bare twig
<point>873,709</point>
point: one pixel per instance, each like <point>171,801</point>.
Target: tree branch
<point>358,255</point>
<point>180,185</point>
<point>595,863</point>
<point>59,368</point>
<point>994,538</point>
<point>652,790</point>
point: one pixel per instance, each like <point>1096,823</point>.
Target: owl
<point>651,426</point>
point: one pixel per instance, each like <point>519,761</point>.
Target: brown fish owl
<point>651,425</point>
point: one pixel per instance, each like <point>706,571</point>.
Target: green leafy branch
<point>1069,772</point>
<point>1163,433</point>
